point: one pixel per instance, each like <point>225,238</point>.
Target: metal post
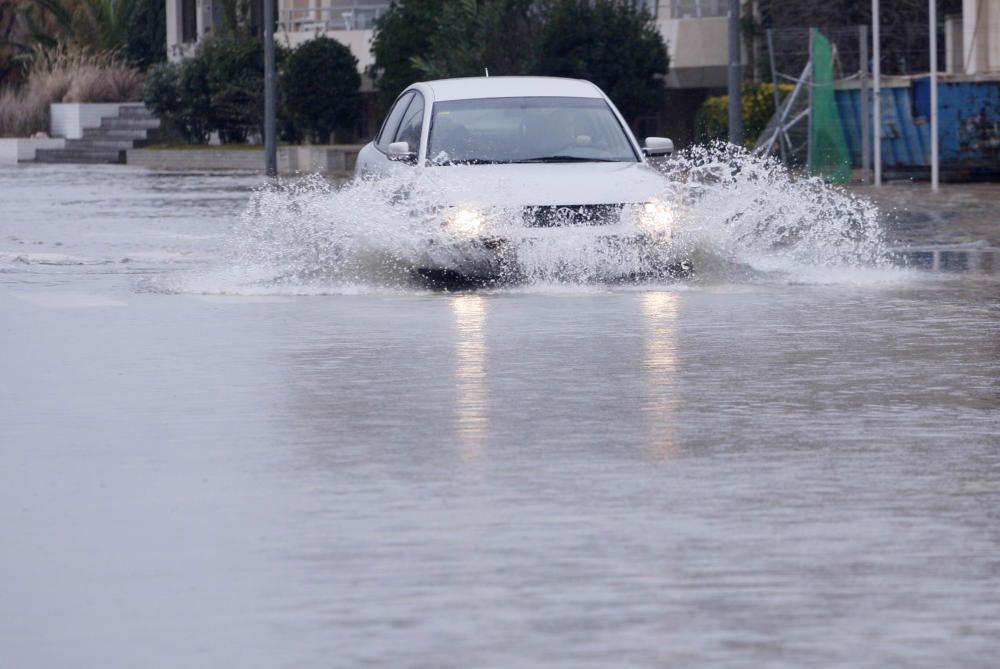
<point>812,86</point>
<point>866,144</point>
<point>932,9</point>
<point>735,66</point>
<point>877,79</point>
<point>774,88</point>
<point>270,145</point>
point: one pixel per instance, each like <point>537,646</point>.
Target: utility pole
<point>735,72</point>
<point>270,144</point>
<point>932,10</point>
<point>866,144</point>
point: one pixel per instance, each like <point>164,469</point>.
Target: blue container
<point>968,120</point>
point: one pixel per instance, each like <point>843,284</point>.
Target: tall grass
<point>66,75</point>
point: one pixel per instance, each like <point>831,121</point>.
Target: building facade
<point>695,32</point>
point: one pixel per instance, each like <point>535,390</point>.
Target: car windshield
<point>526,130</point>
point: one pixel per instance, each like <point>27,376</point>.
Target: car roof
<point>470,88</point>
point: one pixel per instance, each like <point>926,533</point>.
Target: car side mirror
<point>658,146</point>
<point>401,151</point>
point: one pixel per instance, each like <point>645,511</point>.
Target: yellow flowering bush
<point>712,121</point>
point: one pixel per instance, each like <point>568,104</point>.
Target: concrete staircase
<point>108,143</point>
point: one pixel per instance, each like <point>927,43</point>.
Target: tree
<point>402,34</point>
<point>178,94</point>
<point>220,89</point>
<point>26,27</point>
<point>471,37</point>
<point>320,84</point>
<point>235,77</point>
<point>613,43</point>
<point>146,40</point>
<point>102,25</point>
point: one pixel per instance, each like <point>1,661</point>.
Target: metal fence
<point>905,50</point>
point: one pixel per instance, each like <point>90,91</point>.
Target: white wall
<point>20,150</point>
<point>699,51</point>
<point>68,119</point>
<point>981,36</point>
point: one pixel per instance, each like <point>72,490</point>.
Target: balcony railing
<point>349,15</point>
<point>698,9</point>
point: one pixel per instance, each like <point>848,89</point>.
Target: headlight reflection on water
<point>472,421</point>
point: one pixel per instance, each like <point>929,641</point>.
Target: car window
<point>535,129</point>
<point>391,124</point>
<point>413,120</point>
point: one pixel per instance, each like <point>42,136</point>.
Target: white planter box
<point>68,119</point>
<point>22,150</point>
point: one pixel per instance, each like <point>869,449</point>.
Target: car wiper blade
<point>565,159</point>
<point>473,161</point>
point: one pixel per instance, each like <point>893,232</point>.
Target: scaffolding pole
<point>866,143</point>
<point>877,79</point>
<point>774,87</point>
<point>809,141</point>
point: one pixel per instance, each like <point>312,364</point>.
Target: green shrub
<point>235,78</point>
<point>177,94</point>
<point>320,84</point>
<point>219,89</point>
<point>757,102</point>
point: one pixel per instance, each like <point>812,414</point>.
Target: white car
<point>514,160</point>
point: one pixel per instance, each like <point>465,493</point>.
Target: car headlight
<point>466,222</point>
<point>657,217</point>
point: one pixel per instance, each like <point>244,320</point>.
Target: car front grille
<point>556,216</point>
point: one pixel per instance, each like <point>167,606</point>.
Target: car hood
<point>542,184</point>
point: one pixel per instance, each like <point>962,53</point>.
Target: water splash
<point>740,218</point>
<point>753,212</point>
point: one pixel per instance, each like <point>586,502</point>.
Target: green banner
<point>828,157</point>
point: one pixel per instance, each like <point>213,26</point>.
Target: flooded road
<point>771,470</point>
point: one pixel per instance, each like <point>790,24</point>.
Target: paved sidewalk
<point>956,214</point>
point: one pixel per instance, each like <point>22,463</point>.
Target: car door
<point>403,124</point>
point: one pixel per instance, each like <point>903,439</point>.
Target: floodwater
<point>781,462</point>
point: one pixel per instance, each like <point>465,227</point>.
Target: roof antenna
<point>487,72</point>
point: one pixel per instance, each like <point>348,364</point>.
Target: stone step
<point>109,142</point>
<point>105,133</point>
<point>135,111</point>
<point>99,143</point>
<point>79,156</point>
<point>118,123</point>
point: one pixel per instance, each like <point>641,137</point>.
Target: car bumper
<point>510,258</point>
